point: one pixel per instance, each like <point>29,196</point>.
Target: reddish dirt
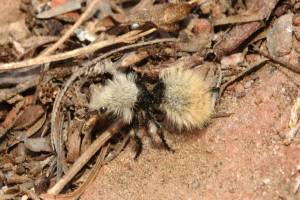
<point>238,157</point>
<point>10,12</point>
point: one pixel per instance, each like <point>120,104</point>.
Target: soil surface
<point>237,157</point>
<point>10,12</point>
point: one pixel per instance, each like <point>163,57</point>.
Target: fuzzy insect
<point>180,95</point>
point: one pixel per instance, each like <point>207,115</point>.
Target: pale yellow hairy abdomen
<point>186,100</point>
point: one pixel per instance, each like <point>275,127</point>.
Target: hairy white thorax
<point>118,96</point>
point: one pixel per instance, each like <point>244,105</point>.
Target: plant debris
<point>53,58</point>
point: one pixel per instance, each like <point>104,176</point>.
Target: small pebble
<point>296,20</point>
<point>195,184</point>
<point>134,26</point>
<point>266,181</point>
<point>248,84</point>
<point>280,36</point>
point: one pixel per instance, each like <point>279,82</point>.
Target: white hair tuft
<point>118,96</point>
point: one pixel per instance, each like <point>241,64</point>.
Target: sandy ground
<point>238,157</point>
<point>10,11</point>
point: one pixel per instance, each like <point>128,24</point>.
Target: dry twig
<point>92,175</point>
<point>240,75</point>
<point>287,65</point>
<point>82,18</point>
<point>102,159</point>
<point>98,59</point>
<point>126,38</point>
<point>85,157</point>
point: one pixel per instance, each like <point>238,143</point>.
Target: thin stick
<point>84,158</point>
<point>240,75</point>
<point>58,43</point>
<point>287,65</point>
<point>56,104</point>
<point>98,59</point>
<point>60,56</point>
<point>82,18</point>
<point>92,175</point>
<point>94,172</point>
<point>126,38</point>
